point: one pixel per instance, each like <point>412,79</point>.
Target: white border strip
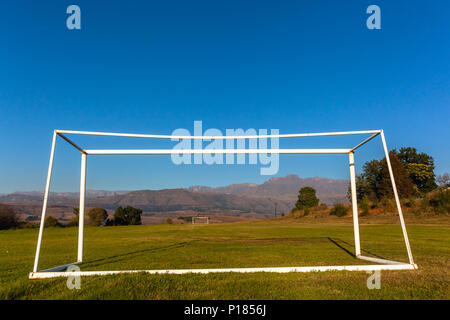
<point>401,266</point>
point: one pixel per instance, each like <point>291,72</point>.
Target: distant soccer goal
<point>200,220</point>
<point>381,264</point>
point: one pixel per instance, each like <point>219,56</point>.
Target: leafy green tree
<point>410,155</point>
<point>372,179</point>
<point>97,216</point>
<point>368,182</point>
<point>422,176</point>
<point>374,182</point>
<point>306,198</point>
<point>405,187</point>
<point>127,216</point>
<point>8,217</point>
<point>363,188</point>
<point>420,167</point>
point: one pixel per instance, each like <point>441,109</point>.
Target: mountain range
<point>285,188</point>
<point>277,193</point>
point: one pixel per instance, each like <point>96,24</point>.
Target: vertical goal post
<point>382,264</point>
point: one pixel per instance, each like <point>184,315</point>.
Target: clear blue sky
<point>155,66</point>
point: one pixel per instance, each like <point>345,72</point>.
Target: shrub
<point>127,216</point>
<point>8,217</point>
<point>416,211</point>
<point>425,204</point>
<point>364,204</point>
<point>97,216</point>
<point>388,205</point>
<point>375,204</point>
<point>409,203</point>
<point>27,225</point>
<point>444,201</point>
<point>440,201</point>
<point>339,210</point>
<point>51,222</point>
<point>169,221</point>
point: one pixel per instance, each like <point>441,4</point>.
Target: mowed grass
<point>257,244</point>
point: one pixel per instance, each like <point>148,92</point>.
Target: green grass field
<point>257,244</point>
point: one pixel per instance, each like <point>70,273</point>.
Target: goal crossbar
<point>383,264</point>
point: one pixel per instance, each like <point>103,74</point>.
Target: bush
<point>51,222</point>
<point>409,203</point>
<point>416,211</point>
<point>339,210</point>
<point>440,201</point>
<point>375,204</point>
<point>364,204</point>
<point>388,205</point>
<point>425,204</point>
<point>169,221</point>
<point>8,217</point>
<point>27,225</point>
<point>97,216</point>
<point>127,216</point>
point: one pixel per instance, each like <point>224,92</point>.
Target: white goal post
<point>382,264</point>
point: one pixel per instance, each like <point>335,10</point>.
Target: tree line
<point>413,174</point>
<point>123,216</point>
<point>414,177</point>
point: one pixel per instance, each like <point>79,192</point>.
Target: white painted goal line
<point>384,264</point>
<point>400,266</point>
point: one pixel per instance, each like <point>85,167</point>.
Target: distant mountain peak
<point>285,188</point>
<point>282,189</point>
<point>286,178</point>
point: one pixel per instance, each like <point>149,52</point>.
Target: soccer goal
<point>200,220</point>
<point>380,264</point>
